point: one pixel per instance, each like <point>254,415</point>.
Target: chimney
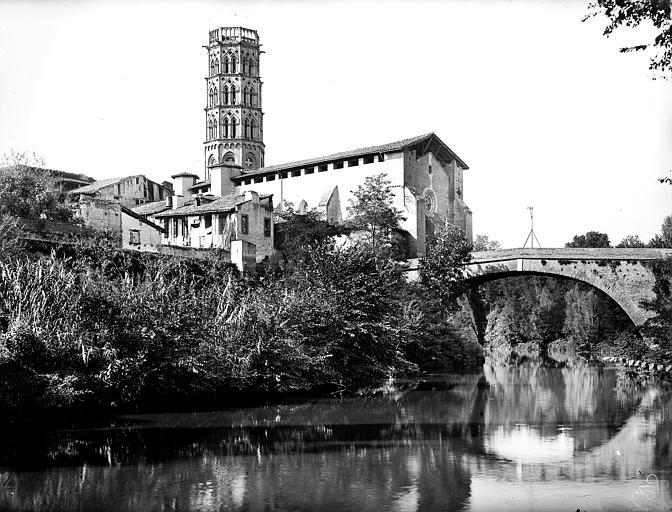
<point>182,181</point>
<point>198,200</point>
<point>169,202</point>
<point>220,178</point>
<point>251,195</point>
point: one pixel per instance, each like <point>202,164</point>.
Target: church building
<point>426,175</point>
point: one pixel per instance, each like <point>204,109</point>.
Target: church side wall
<point>311,187</point>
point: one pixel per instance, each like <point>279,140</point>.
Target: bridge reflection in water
<point>510,438</point>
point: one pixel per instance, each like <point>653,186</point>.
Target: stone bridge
<point>625,275</point>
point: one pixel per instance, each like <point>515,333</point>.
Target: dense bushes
<point>104,327</point>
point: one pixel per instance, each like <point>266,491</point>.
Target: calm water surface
<point>525,437</point>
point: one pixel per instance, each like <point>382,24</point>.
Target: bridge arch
<point>625,303</point>
<point>622,274</point>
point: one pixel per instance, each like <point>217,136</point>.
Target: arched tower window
<point>212,66</point>
<point>224,95</point>
<point>246,128</point>
<point>225,127</point>
<point>252,129</point>
<point>233,63</point>
<point>216,64</point>
<point>233,95</point>
<point>253,66</point>
<point>253,97</point>
<point>246,96</point>
<point>244,63</point>
<point>234,127</point>
<point>229,158</point>
<point>225,64</point>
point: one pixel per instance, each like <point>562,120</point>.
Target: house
<point>129,191</point>
<point>221,221</point>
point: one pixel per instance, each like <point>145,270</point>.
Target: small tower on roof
<point>233,116</point>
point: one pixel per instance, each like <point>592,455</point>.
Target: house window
<point>381,157</point>
<point>258,180</point>
<point>166,227</point>
<point>135,237</point>
<point>185,227</point>
<point>353,163</point>
<point>338,165</point>
<point>296,174</point>
<point>310,170</point>
<point>267,227</point>
<point>270,177</point>
<point>174,228</point>
<point>208,221</point>
<point>368,159</point>
<point>322,168</point>
<point>244,225</point>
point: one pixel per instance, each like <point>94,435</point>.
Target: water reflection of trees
<point>416,449</point>
<point>206,473</point>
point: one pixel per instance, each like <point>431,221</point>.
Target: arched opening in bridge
<point>541,309</point>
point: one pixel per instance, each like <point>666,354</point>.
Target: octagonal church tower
<point>233,116</point>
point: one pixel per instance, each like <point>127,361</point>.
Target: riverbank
<point>101,329</point>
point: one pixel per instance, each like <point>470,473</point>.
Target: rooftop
<point>425,141</point>
<point>220,205</point>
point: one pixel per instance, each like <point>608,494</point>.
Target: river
<point>527,436</point>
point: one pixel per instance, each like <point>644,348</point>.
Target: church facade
<point>425,174</point>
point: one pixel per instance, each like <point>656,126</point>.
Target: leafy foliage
<point>483,243</point>
<point>590,239</point>
<point>441,271</point>
<point>631,241</point>
<point>372,211</point>
<point>26,192</point>
<point>299,234</point>
<point>633,13</point>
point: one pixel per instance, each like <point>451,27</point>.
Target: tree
<point>631,241</point>
<point>441,270</point>
<point>300,234</point>
<point>633,13</point>
<point>590,239</point>
<point>26,189</point>
<point>372,211</point>
<point>483,243</point>
<point>664,239</point>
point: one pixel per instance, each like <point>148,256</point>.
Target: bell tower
<point>233,116</point>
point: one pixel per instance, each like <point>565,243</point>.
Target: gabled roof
<point>424,141</point>
<point>200,184</point>
<point>222,204</point>
<point>98,185</point>
<point>150,208</point>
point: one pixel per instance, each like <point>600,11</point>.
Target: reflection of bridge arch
<point>622,274</point>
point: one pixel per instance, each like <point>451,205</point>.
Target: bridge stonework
<point>623,274</point>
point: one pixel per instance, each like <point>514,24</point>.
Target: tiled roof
<point>222,204</point>
<point>98,185</point>
<point>184,173</point>
<point>383,148</point>
<point>150,208</point>
<point>200,184</point>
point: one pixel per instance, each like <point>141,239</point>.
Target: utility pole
<point>531,237</point>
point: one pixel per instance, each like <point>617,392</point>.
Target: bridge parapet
<point>572,253</point>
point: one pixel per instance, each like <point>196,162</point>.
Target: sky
<point>542,107</point>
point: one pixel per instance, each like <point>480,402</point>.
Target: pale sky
<point>542,107</point>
